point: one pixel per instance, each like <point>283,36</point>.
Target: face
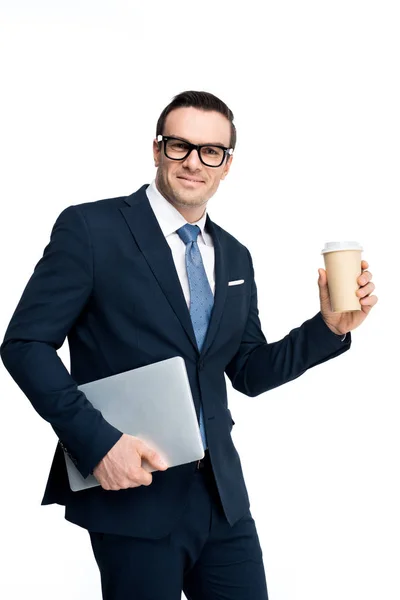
<point>188,184</point>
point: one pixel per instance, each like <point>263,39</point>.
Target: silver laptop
<point>153,403</point>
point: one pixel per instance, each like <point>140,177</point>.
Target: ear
<point>156,152</point>
<point>227,167</point>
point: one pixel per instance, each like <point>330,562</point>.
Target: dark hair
<point>202,100</point>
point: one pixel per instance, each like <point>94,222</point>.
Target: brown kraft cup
<point>343,267</point>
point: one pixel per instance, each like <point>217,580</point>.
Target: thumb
<point>323,290</point>
<point>153,458</point>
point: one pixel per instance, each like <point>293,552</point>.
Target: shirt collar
<point>168,217</point>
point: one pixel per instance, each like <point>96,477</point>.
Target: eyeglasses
<point>178,149</point>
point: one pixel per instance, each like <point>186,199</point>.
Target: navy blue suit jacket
<point>107,280</point>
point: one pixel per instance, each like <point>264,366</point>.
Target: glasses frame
<point>197,147</point>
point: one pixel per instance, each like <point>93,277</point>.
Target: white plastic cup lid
<point>334,246</point>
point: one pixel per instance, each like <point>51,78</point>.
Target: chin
<point>185,200</point>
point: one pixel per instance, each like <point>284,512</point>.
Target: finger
<point>369,301</point>
<point>364,278</point>
<point>364,264</point>
<point>153,458</point>
<point>366,290</point>
<point>143,477</point>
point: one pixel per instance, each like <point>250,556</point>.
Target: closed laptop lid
<point>153,403</point>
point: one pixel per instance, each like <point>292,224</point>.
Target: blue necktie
<point>201,296</point>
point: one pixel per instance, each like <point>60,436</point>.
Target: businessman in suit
<point>132,281</point>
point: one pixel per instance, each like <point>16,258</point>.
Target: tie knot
<point>188,233</point>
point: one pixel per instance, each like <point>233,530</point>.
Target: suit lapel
<point>152,243</point>
<point>145,229</point>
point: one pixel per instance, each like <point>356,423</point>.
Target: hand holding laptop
<point>122,467</point>
<point>153,406</point>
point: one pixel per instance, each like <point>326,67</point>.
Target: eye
<point>212,151</point>
<point>176,145</point>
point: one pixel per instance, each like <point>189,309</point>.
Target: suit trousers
<point>203,555</point>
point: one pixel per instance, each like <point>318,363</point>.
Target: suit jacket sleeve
<point>52,301</point>
<point>259,366</point>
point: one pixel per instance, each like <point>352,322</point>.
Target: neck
<point>192,215</point>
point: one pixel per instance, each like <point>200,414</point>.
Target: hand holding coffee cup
<point>345,287</point>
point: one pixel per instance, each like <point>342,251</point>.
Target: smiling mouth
<point>191,180</point>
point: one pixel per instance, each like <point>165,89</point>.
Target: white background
<point>314,87</point>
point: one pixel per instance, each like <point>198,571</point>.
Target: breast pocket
<point>235,313</point>
<point>237,289</point>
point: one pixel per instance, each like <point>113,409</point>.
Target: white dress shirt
<point>169,220</point>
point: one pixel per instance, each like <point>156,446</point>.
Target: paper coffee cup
<point>343,268</point>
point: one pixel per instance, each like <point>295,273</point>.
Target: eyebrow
<point>178,137</point>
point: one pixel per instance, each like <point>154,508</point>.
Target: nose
<point>192,162</point>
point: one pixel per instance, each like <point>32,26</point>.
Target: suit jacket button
<point>200,365</point>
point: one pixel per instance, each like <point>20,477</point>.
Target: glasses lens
<point>212,155</point>
<point>176,149</point>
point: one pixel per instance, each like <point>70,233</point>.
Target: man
<point>132,281</point>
